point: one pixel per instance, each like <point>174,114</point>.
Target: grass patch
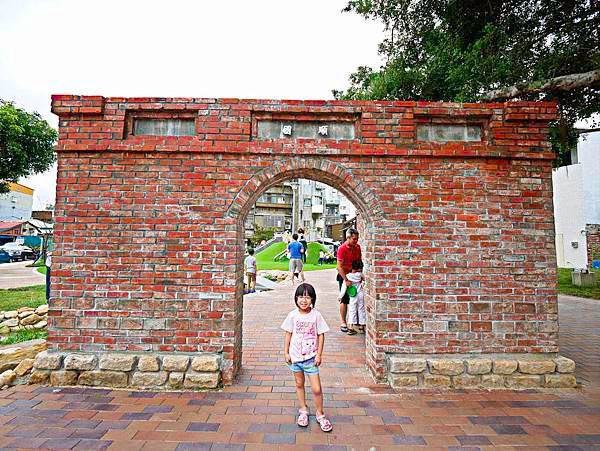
<point>566,287</point>
<point>42,269</point>
<point>14,298</point>
<point>24,335</point>
<point>264,259</point>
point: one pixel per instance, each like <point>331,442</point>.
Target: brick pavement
<point>579,322</point>
<point>258,412</point>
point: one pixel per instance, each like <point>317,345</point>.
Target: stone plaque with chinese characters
<point>272,129</point>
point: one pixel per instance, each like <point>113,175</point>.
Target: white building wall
<point>588,151</point>
<point>577,202</point>
<point>15,205</point>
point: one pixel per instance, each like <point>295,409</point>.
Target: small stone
<point>80,362</point>
<point>40,325</point>
<point>25,314</point>
<point>175,362</point>
<point>48,361</point>
<point>560,381</point>
<point>31,319</point>
<point>465,381</point>
<point>103,378</point>
<point>402,380</point>
<point>176,379</point>
<point>523,381</point>
<point>25,309</point>
<point>117,362</point>
<point>10,314</point>
<point>479,366</point>
<point>407,365</point>
<point>447,367</point>
<point>205,362</point>
<point>148,363</point>
<point>39,377</point>
<point>42,309</point>
<point>492,381</point>
<point>505,366</point>
<point>536,366</point>
<point>202,380</point>
<point>4,330</point>
<point>63,378</point>
<point>13,322</point>
<point>7,377</point>
<point>436,381</point>
<point>564,365</point>
<point>156,379</point>
<point>24,367</point>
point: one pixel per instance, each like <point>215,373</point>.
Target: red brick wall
<point>458,237</point>
<point>593,242</point>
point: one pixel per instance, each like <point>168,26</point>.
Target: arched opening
<point>368,215</point>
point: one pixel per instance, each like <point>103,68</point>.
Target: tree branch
<point>564,83</point>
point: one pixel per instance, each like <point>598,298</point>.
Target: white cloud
<point>261,49</point>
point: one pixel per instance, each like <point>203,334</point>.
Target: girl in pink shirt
<point>304,340</point>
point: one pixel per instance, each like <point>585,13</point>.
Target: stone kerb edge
<point>155,371</point>
<point>488,371</point>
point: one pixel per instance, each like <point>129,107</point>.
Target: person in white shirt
<point>356,306</point>
<point>303,348</point>
<point>250,265</point>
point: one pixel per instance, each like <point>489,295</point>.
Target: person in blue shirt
<point>296,250</point>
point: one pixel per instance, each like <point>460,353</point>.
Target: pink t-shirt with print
<point>305,330</point>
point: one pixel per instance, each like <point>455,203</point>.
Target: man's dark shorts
<point>346,298</point>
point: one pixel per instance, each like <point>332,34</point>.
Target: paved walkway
<point>580,336</point>
<point>17,274</point>
<point>258,413</point>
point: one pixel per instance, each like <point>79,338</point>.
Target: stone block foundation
<point>491,371</point>
<point>197,371</point>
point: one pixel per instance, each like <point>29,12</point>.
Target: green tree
<point>469,50</point>
<point>26,144</point>
<point>262,233</point>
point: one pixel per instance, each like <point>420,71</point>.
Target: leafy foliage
<point>262,233</point>
<point>26,144</point>
<point>453,50</point>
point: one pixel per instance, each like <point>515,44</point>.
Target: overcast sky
<point>248,49</point>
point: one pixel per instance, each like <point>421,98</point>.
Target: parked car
<point>4,257</point>
<point>18,252</point>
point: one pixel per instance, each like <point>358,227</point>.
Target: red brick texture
<point>457,237</point>
<point>593,242</point>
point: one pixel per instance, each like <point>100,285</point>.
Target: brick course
<point>457,237</point>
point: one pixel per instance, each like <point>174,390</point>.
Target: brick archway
<point>151,192</point>
<point>320,169</point>
<point>337,176</point>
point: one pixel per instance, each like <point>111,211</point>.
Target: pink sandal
<point>302,418</point>
<point>324,423</point>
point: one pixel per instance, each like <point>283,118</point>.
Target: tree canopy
<point>26,144</point>
<point>463,50</point>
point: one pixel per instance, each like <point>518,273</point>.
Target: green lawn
<point>14,298</point>
<point>566,287</point>
<point>264,259</point>
<point>42,269</point>
<point>24,335</point>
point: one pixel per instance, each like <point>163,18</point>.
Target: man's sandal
<point>324,423</point>
<point>344,329</point>
<point>351,332</point>
<point>302,418</point>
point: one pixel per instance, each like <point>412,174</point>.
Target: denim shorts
<point>307,366</point>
